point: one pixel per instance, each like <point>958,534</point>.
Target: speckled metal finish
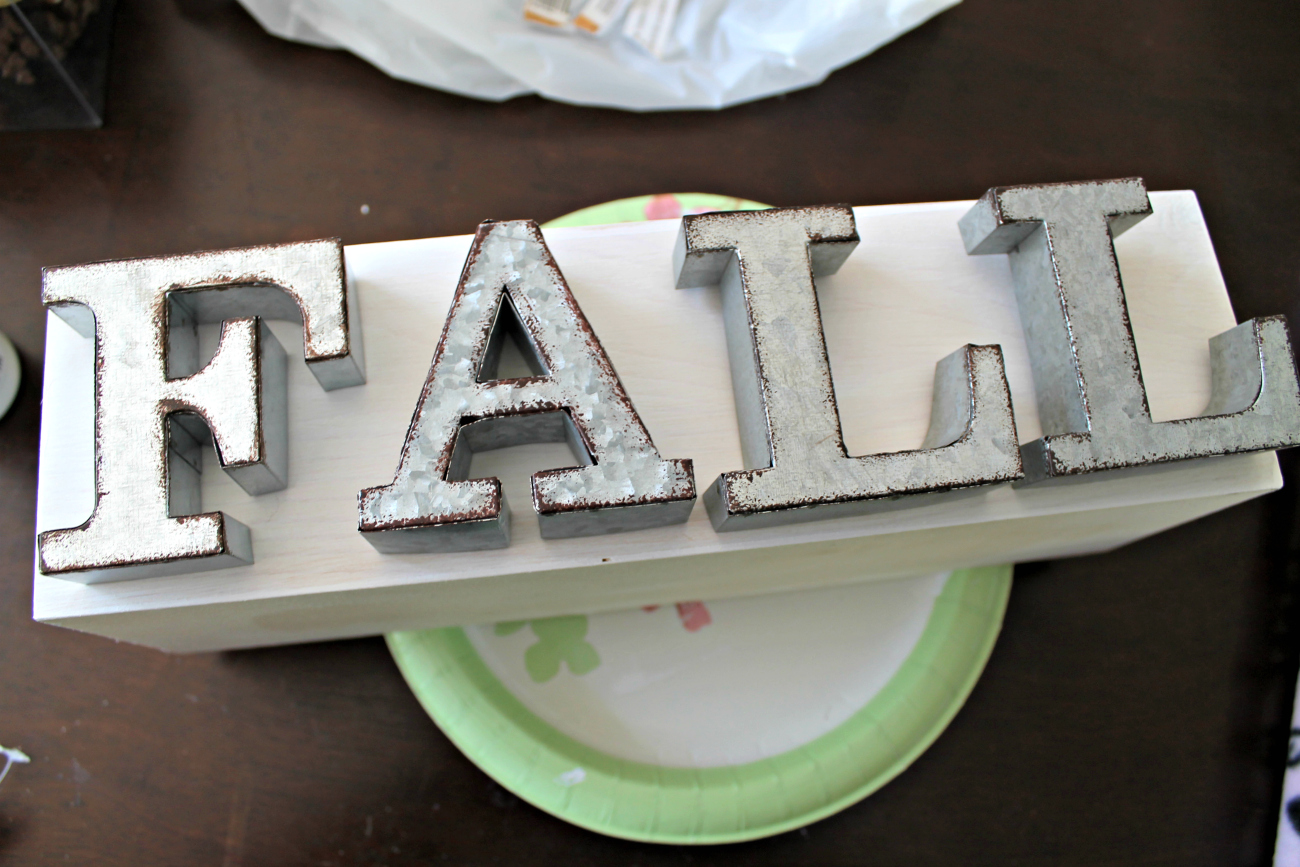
<point>793,448</point>
<point>154,408</point>
<point>1091,399</point>
<point>511,283</point>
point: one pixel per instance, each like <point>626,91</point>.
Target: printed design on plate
<point>559,640</point>
<point>668,207</point>
<point>563,640</point>
<point>694,615</point>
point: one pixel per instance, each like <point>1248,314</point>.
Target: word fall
<point>155,409</point>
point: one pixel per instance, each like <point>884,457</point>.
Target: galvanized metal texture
<point>1091,399</point>
<point>797,466</point>
<point>512,285</point>
<point>155,410</point>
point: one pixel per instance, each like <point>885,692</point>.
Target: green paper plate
<point>478,684</point>
<point>661,207</point>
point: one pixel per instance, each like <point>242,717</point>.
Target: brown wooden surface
<point>1135,710</point>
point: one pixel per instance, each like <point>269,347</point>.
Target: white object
<point>709,54</point>
<point>597,15</point>
<point>11,757</point>
<point>905,298</point>
<point>766,675</point>
<point>1287,850</point>
<point>552,13</point>
<point>650,23</point>
<point>11,373</point>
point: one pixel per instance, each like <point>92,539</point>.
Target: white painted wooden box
<point>908,296</point>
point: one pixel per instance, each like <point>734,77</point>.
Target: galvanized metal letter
<point>793,448</point>
<point>512,284</point>
<point>154,407</point>
<point>1091,398</point>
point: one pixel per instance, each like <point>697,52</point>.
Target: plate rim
<point>650,803</point>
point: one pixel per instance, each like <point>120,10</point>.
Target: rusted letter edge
<point>154,409</point>
<point>511,284</point>
<point>797,468</point>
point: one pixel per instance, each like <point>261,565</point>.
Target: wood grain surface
<point>1135,710</point>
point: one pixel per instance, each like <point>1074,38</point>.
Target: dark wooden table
<point>1136,708</point>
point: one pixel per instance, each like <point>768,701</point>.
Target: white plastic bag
<point>722,52</point>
